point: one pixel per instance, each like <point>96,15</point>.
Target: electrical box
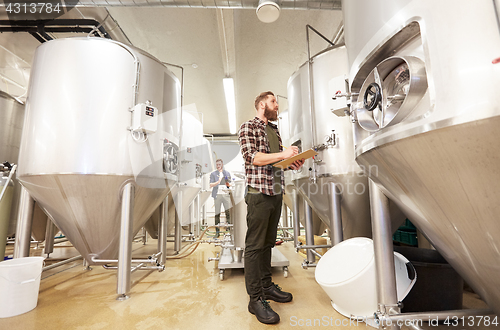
<point>338,85</point>
<point>145,118</point>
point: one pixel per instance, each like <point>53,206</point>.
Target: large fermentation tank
<point>77,149</point>
<point>428,118</point>
<point>318,226</point>
<point>11,128</point>
<point>312,125</point>
<point>191,156</point>
<point>204,156</point>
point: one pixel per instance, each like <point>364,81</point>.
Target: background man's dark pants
<point>218,201</point>
<point>263,215</point>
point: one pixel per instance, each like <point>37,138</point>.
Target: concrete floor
<point>187,295</point>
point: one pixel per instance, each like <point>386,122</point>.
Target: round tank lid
<point>345,261</point>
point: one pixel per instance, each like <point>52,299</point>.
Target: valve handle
<point>372,97</point>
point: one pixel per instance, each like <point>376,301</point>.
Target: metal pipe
<point>284,5</point>
<point>192,219</point>
<point>159,268</point>
<point>383,251</point>
<point>339,34</point>
<point>11,173</point>
<point>178,219</point>
<point>296,220</point>
<point>288,233</point>
<point>223,225</point>
<point>57,264</point>
<point>285,222</point>
<point>49,237</point>
<point>197,215</point>
<point>309,230</point>
<point>24,224</point>
<point>308,247</point>
<point>316,253</point>
<point>336,231</point>
<point>311,86</point>
<point>204,215</point>
<point>191,235</point>
<point>162,231</point>
<point>151,260</point>
<point>125,251</point>
<point>136,267</point>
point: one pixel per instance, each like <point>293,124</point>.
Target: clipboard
<point>305,154</point>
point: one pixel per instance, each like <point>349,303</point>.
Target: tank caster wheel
<point>221,274</point>
<point>285,271</point>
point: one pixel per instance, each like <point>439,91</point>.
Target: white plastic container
<point>347,274</point>
<point>19,285</point>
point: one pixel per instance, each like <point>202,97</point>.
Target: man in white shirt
<point>220,182</point>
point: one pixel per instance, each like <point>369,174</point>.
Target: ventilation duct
<point>237,4</point>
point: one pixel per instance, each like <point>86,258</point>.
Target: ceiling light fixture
<point>268,11</point>
<point>230,103</point>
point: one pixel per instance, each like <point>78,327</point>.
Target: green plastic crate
<point>405,237</point>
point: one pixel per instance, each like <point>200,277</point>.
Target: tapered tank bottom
<point>86,207</point>
<point>447,182</point>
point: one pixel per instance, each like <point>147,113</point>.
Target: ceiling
<point>209,43</point>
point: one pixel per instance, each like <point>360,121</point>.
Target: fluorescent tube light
<point>230,103</point>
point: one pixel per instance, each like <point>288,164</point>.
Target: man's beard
<point>270,114</point>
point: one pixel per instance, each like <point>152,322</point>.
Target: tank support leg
<point>197,220</point>
<point>309,232</point>
<point>336,231</point>
<point>284,219</point>
<point>50,231</point>
<point>162,231</point>
<point>178,220</point>
<point>125,251</point>
<point>384,254</point>
<point>296,220</point>
<point>24,224</point>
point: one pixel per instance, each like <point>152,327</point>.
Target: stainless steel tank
<point>318,225</point>
<point>202,155</point>
<point>427,118</point>
<point>190,160</point>
<point>312,125</point>
<point>11,128</point>
<point>78,150</point>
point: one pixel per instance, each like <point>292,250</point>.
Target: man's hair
<point>219,160</point>
<point>262,96</point>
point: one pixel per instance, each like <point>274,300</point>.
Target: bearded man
<point>261,146</point>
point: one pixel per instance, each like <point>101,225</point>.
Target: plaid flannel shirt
<point>253,139</point>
